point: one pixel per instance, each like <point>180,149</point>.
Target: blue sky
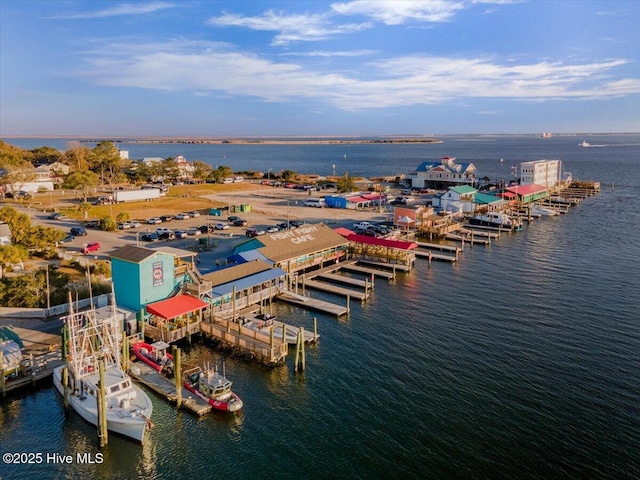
<point>243,68</point>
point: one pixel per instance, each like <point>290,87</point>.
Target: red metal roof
<point>175,306</point>
<point>381,242</point>
<point>527,189</point>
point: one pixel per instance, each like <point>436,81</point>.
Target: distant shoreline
<point>280,142</point>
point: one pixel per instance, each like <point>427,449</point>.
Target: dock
<point>268,349</point>
<point>376,272</point>
<point>335,289</point>
<point>166,387</point>
<point>33,369</point>
<point>439,253</point>
<point>313,303</point>
<point>385,266</point>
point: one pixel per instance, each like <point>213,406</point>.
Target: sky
<point>316,68</point>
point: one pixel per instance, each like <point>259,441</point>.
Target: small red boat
<point>155,355</point>
<point>212,387</point>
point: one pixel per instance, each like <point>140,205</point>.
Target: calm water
<point>522,361</point>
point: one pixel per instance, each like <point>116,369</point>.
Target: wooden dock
<point>333,277</point>
<point>429,255</point>
<point>32,370</point>
<point>471,239</point>
<point>166,387</point>
<point>436,251</point>
<point>313,303</point>
<point>352,267</point>
<point>385,266</point>
<point>335,289</point>
<point>264,347</point>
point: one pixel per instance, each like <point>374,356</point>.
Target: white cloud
<point>395,12</point>
<point>122,9</point>
<point>292,28</point>
<point>329,54</point>
<point>202,67</point>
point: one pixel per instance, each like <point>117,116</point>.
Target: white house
<point>466,199</point>
<point>541,172</point>
<point>442,174</point>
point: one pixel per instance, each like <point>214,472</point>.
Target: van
<point>315,202</point>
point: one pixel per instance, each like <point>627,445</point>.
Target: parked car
<point>135,224</point>
<point>272,229</point>
<point>240,222</point>
<point>180,233</point>
<point>232,218</point>
<point>149,237</point>
<point>182,216</point>
<point>315,202</point>
<point>78,231</point>
<point>166,235</point>
<point>67,239</point>
<point>154,220</point>
<point>254,232</point>
<point>58,216</point>
<point>166,218</point>
<point>221,226</point>
<point>90,247</point>
<point>92,224</point>
<point>194,231</point>
<point>361,225</point>
<point>206,228</point>
<point>124,226</point>
<point>194,213</point>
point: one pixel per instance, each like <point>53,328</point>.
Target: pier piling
<point>4,393</point>
<point>103,436</point>
<point>177,375</point>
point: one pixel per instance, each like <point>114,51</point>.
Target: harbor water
<point>520,361</point>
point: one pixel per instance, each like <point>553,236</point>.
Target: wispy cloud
<point>395,12</point>
<point>411,80</point>
<point>119,10</point>
<point>292,28</point>
<point>329,54</point>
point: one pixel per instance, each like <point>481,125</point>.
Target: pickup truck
<point>361,225</point>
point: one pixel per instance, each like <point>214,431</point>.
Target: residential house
<point>442,174</point>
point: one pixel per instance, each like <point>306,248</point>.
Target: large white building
<point>541,172</point>
<point>442,174</point>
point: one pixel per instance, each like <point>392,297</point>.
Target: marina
<point>471,343</point>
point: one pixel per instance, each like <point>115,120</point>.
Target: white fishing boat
<point>545,212</point>
<point>93,338</point>
<point>585,144</point>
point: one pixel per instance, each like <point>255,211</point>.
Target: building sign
<point>297,235</point>
<point>158,274</point>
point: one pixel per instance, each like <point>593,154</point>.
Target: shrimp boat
<point>93,340</point>
<point>155,355</point>
<point>213,387</point>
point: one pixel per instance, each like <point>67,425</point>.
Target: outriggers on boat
<point>213,387</point>
<point>93,337</point>
<point>155,355</point>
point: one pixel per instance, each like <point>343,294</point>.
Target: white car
<point>272,229</point>
<point>221,226</point>
<point>181,216</point>
<point>154,220</point>
<point>180,233</point>
<point>194,214</point>
<point>135,224</point>
<point>124,226</point>
<point>194,231</point>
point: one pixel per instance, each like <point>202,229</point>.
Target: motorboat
<point>585,144</point>
<point>155,355</point>
<point>212,387</point>
<point>93,345</point>
<point>545,212</point>
<point>496,220</point>
<point>265,323</point>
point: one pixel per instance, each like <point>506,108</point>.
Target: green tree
<point>346,184</point>
<point>102,268</point>
<point>107,224</point>
<point>84,209</point>
<point>288,175</point>
<point>201,170</point>
<point>105,161</point>
<point>77,157</point>
<point>170,170</point>
<point>19,224</point>
<point>82,183</point>
<point>122,217</point>
<point>11,254</point>
<point>222,172</point>
<point>46,155</point>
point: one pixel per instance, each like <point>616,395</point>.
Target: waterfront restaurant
<point>379,249</point>
<point>242,285</point>
<point>523,194</point>
<point>298,249</point>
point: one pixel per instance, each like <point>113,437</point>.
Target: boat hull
<point>118,421</point>
<point>137,347</point>
<point>232,405</point>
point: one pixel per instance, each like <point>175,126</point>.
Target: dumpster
<point>245,207</point>
<point>216,212</point>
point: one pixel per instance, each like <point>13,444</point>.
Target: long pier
<point>313,303</point>
<point>438,254</point>
<point>32,369</point>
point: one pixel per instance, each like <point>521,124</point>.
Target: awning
<point>382,242</point>
<point>175,306</point>
<point>406,219</point>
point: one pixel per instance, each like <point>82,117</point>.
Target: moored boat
<point>155,355</point>
<point>545,212</point>
<point>93,339</point>
<point>496,220</point>
<point>213,387</point>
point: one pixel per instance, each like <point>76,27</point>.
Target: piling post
<point>103,437</point>
<point>366,287</point>
<point>471,239</point>
<point>2,380</point>
<point>315,329</point>
<point>177,375</point>
<point>271,338</point>
<point>297,361</point>
<point>430,258</point>
<point>141,324</point>
<point>284,333</point>
<point>125,352</point>
<point>33,370</point>
<point>65,389</point>
<point>348,302</point>
<point>303,284</point>
<point>303,355</point>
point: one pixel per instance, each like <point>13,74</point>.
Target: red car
<point>91,247</point>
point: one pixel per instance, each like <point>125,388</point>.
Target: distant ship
<point>545,135</point>
<point>585,144</point>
